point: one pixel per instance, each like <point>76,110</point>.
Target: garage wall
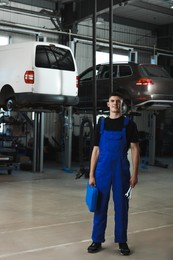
<point>83,55</point>
<point>22,26</point>
<point>121,33</point>
<point>19,18</point>
<point>124,37</point>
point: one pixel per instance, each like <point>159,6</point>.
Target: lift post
<point>152,137</point>
<point>152,142</point>
<point>38,142</point>
<point>68,129</point>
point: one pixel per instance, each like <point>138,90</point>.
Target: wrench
<point>128,194</point>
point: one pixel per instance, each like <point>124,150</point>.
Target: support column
<point>38,142</point>
<point>152,137</point>
<point>68,129</point>
<point>94,89</point>
<point>111,44</point>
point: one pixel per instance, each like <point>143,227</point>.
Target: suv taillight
<point>29,77</point>
<point>144,82</point>
<point>77,81</point>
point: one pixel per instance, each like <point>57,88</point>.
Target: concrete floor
<point>44,216</point>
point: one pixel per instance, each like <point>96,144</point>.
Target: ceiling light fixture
<point>4,2</point>
<point>99,20</point>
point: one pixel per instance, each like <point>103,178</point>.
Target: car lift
<point>152,141</point>
<point>38,142</point>
<point>68,129</point>
<point>152,130</point>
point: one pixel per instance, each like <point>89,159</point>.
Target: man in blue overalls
<point>109,167</point>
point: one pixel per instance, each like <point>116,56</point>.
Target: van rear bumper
<point>36,100</point>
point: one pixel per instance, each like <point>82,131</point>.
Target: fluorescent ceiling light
<point>99,20</point>
<point>4,2</point>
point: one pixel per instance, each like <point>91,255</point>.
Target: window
<point>114,71</point>
<point>124,70</point>
<point>103,57</point>
<point>105,71</point>
<point>88,75</point>
<point>53,57</point>
<point>155,71</point>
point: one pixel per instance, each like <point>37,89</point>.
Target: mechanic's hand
<point>133,181</point>
<point>92,181</point>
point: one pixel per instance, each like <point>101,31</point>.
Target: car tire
<point>125,108</point>
<point>9,105</point>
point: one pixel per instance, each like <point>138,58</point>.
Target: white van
<point>37,75</point>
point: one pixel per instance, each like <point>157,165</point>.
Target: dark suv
<point>142,85</point>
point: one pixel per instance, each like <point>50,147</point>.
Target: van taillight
<point>144,81</point>
<point>77,81</point>
<point>29,77</point>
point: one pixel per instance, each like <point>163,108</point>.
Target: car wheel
<point>125,108</point>
<point>9,105</point>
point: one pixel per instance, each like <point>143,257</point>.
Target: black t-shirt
<point>117,124</point>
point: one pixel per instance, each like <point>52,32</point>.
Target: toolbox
<point>91,197</point>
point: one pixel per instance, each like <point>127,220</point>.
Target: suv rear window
<point>53,57</point>
<point>155,71</point>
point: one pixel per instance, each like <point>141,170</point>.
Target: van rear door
<point>55,70</point>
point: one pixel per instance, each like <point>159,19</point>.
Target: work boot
<point>94,247</point>
<point>124,249</point>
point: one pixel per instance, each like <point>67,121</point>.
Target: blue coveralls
<point>112,170</point>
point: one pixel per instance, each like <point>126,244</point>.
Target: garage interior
<point>45,154</point>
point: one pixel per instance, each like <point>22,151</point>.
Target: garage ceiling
<point>147,13</point>
<point>144,14</point>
